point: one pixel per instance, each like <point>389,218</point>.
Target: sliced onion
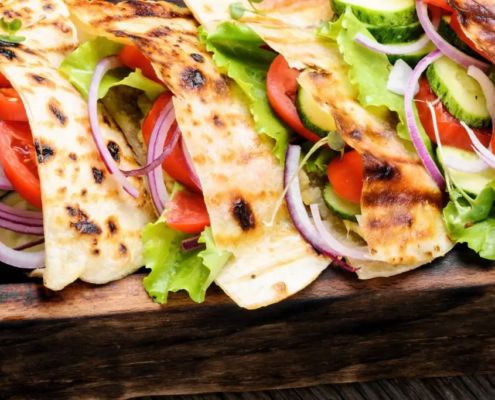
<point>28,215</point>
<point>101,69</point>
<point>158,137</point>
<point>5,184</point>
<point>297,209</point>
<point>359,253</point>
<point>29,245</point>
<point>412,125</point>
<point>398,78</point>
<point>192,244</point>
<point>21,259</point>
<point>445,47</point>
<point>485,154</point>
<point>21,228</point>
<point>189,164</point>
<point>471,167</point>
<point>159,160</point>
<point>372,44</point>
<point>488,90</point>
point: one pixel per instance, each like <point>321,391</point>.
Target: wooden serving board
<point>113,342</point>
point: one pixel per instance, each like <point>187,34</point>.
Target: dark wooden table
<point>478,387</point>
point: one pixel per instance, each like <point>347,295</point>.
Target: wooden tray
<point>113,342</point>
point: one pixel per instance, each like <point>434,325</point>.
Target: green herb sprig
<point>11,27</point>
<point>237,10</point>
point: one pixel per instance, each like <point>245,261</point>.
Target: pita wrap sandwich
<point>353,69</point>
<point>59,187</point>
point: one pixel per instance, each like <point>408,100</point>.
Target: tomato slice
<point>18,157</point>
<point>174,165</point>
<point>187,212</point>
<point>346,176</point>
<point>4,82</point>
<point>132,57</point>
<point>11,106</point>
<point>440,3</point>
<point>282,90</point>
<point>456,26</point>
<point>451,132</point>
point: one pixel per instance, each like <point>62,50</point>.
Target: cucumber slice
<point>396,34</point>
<point>13,239</point>
<point>381,12</point>
<point>312,116</point>
<point>461,94</point>
<point>470,183</point>
<point>414,58</point>
<point>340,206</point>
<point>453,38</point>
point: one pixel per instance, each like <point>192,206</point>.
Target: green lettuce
<point>78,68</point>
<point>318,162</point>
<point>472,221</point>
<point>173,269</point>
<point>369,70</point>
<point>236,49</point>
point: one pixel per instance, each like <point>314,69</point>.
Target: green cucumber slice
<point>396,34</point>
<point>340,206</point>
<point>453,38</point>
<point>381,12</point>
<point>312,116</point>
<point>13,239</point>
<point>413,59</point>
<point>470,183</point>
<point>461,94</point>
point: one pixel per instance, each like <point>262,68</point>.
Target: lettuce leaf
<point>473,222</point>
<point>236,49</point>
<point>369,71</point>
<point>78,68</point>
<point>173,269</point>
<point>318,162</point>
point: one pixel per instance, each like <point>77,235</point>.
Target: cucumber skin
<point>412,59</point>
<point>402,18</point>
<point>442,91</point>
<point>307,123</point>
<point>453,38</point>
<point>396,34</point>
<point>330,206</point>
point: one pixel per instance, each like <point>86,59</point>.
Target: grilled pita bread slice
<point>46,27</point>
<point>402,209</point>
<point>92,227</point>
<point>477,19</point>
<point>241,179</point>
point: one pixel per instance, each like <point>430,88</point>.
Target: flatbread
<point>477,19</point>
<point>92,227</point>
<point>402,215</point>
<point>241,179</point>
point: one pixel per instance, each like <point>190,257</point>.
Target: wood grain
<point>113,342</point>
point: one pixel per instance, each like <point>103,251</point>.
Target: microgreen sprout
<point>11,27</point>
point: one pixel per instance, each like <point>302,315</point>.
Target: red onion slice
<point>189,164</point>
<point>192,244</point>
<point>359,253</point>
<point>159,160</point>
<point>5,184</point>
<point>297,209</point>
<point>21,228</point>
<point>485,154</point>
<point>412,125</point>
<point>104,65</point>
<point>21,259</point>
<point>445,47</point>
<point>158,137</point>
<point>29,245</point>
<point>24,214</point>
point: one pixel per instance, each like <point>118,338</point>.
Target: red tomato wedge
<point>4,82</point>
<point>450,129</point>
<point>11,106</point>
<point>440,3</point>
<point>456,26</point>
<point>18,157</point>
<point>282,90</point>
<point>187,212</point>
<point>132,57</point>
<point>346,176</point>
<point>174,165</point>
